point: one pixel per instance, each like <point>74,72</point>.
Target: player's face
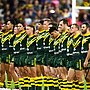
<point>53,34</point>
<point>20,27</point>
<point>83,28</point>
<point>16,31</point>
<point>39,25</point>
<point>9,25</point>
<point>50,26</point>
<point>3,27</point>
<point>29,30</point>
<point>59,29</point>
<point>73,29</point>
<point>36,33</point>
<point>61,26</point>
<point>45,25</point>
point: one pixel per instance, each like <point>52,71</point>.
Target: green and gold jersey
<point>64,38</point>
<point>46,41</point>
<point>85,43</point>
<point>11,39</point>
<point>51,47</point>
<point>23,41</point>
<point>16,44</point>
<point>17,41</point>
<point>77,43</point>
<point>70,46</point>
<point>5,42</point>
<point>0,41</point>
<point>39,41</point>
<point>31,44</point>
<point>56,45</point>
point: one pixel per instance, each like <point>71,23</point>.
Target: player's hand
<point>85,63</point>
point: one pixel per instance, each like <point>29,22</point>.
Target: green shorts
<point>46,57</point>
<point>58,61</point>
<point>40,58</point>
<point>77,62</point>
<point>69,62</point>
<point>11,56</point>
<point>51,60</point>
<point>30,60</point>
<point>5,58</point>
<point>22,60</point>
<point>64,59</point>
<point>16,59</point>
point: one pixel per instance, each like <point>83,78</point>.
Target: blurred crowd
<point>29,11</point>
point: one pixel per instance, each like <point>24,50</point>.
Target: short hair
<point>41,22</point>
<point>19,21</point>
<point>11,20</point>
<point>87,24</point>
<point>77,26</point>
<point>65,21</point>
<point>47,19</point>
<point>52,29</point>
<point>32,27</point>
<point>54,24</point>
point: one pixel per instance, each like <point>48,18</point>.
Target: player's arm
<point>87,57</point>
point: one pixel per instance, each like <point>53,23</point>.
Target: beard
<point>83,32</point>
<point>3,30</point>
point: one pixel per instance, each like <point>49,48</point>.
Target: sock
<point>55,82</point>
<point>21,83</point>
<point>75,85</point>
<point>1,84</point>
<point>32,81</point>
<point>81,85</point>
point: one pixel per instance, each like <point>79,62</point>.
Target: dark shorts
<point>77,62</point>
<point>5,58</point>
<point>46,57</point>
<point>58,61</point>
<point>16,59</point>
<point>30,60</point>
<point>11,56</point>
<point>51,60</point>
<point>69,61</point>
<point>22,60</point>
<point>64,59</point>
<point>40,59</point>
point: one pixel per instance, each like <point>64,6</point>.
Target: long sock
<point>65,85</point>
<point>21,83</point>
<point>88,85</point>
<point>16,85</point>
<point>32,81</point>
<point>38,83</point>
<point>55,82</point>
<point>76,85</point>
<point>50,83</point>
<point>44,83</point>
<point>8,84</point>
<point>69,85</point>
<point>1,84</point>
<point>81,85</point>
<point>60,82</point>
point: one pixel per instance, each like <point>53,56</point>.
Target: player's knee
<point>69,78</point>
<point>2,71</point>
<point>11,69</point>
